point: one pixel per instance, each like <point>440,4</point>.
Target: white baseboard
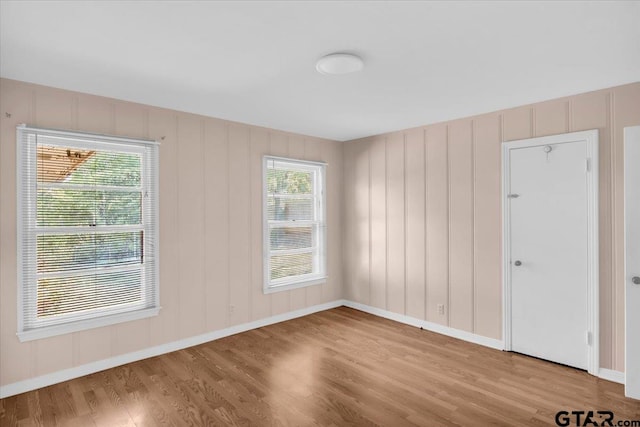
<point>430,326</point>
<point>606,374</point>
<point>93,367</point>
<point>611,375</point>
<point>101,365</point>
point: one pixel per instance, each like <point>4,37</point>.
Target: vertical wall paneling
<point>53,108</point>
<point>395,223</point>
<point>312,151</point>
<point>216,212</point>
<point>260,303</point>
<point>239,185</point>
<point>551,118</point>
<point>516,124</point>
<point>461,226</point>
<point>192,317</point>
<point>130,119</point>
<point>487,214</point>
<point>94,115</point>
<point>474,238</point>
<point>415,234</point>
<point>348,214</point>
<point>378,176</point>
<point>618,256</point>
<point>360,251</point>
<point>617,259</point>
<point>437,224</point>
<point>163,127</point>
<point>334,289</point>
<point>59,348</point>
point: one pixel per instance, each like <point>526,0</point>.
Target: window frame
<point>320,255</point>
<point>27,230</point>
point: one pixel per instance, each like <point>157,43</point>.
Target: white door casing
<point>632,260</point>
<point>550,225</point>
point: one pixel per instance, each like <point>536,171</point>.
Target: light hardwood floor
<point>337,367</point>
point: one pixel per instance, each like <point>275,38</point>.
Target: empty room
<point>330,213</point>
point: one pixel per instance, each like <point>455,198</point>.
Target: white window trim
<point>305,280</point>
<point>94,141</point>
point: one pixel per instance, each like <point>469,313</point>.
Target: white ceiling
<point>254,62</point>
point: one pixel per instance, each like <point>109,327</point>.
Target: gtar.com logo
<point>591,418</point>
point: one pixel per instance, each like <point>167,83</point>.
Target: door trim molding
<point>593,310</point>
<point>631,343</point>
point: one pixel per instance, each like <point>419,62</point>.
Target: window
<point>87,224</point>
<point>294,224</point>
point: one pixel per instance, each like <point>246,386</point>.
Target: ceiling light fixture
<point>339,63</point>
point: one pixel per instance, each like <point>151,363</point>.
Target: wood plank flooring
<point>333,368</point>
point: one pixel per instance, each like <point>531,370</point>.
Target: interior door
<point>632,261</point>
<point>549,252</point>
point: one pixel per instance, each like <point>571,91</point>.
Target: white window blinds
<point>294,223</point>
<point>88,224</point>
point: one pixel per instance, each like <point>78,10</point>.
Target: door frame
<point>593,311</point>
<point>631,346</point>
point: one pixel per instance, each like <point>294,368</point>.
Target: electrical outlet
<point>440,308</point>
<point>232,308</point>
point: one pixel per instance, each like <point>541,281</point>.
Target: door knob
<point>518,263</point>
<point>636,280</point>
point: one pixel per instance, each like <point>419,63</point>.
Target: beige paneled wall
<point>414,219</point>
<point>423,214</point>
<point>210,224</point>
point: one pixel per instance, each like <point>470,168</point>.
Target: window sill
<point>295,285</point>
<point>81,325</point>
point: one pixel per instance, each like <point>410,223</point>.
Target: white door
<point>548,197</point>
<point>632,262</point>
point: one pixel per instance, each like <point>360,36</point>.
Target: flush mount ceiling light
<point>339,63</point>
